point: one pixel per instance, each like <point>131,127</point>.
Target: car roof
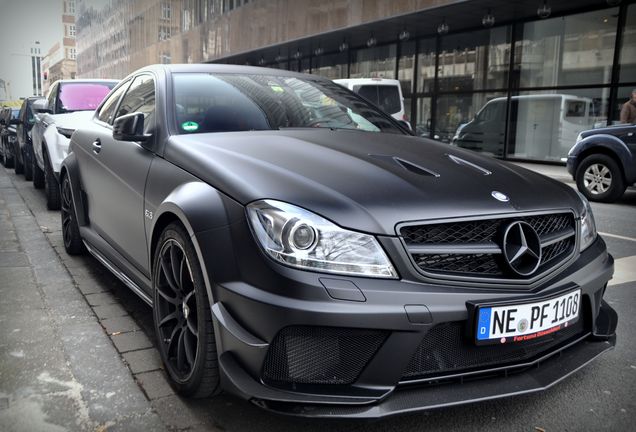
<point>222,68</point>
<point>377,81</point>
<point>87,80</point>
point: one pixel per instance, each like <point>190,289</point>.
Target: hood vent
<point>460,161</point>
<point>409,166</point>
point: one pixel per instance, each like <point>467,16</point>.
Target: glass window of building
<point>423,120</point>
<point>426,66</point>
<point>476,60</point>
<point>475,121</point>
<point>571,50</point>
<point>376,62</point>
<point>624,95</point>
<point>405,67</point>
<point>544,125</point>
<point>332,66</point>
<point>627,61</point>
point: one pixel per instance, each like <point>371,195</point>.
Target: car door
<point>115,177</point>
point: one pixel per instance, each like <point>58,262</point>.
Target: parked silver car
<point>68,103</point>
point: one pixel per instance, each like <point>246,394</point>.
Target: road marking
<point>624,270</point>
<point>617,236</point>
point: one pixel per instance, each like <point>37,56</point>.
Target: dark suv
<point>23,150</point>
<point>8,120</point>
<point>603,162</point>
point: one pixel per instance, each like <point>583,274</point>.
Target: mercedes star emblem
<point>522,248</point>
<point>500,196</point>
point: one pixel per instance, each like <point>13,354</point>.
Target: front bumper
<point>248,319</point>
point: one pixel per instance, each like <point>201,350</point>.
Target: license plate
<point>526,321</point>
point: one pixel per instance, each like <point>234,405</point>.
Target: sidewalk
<point>58,368</point>
<point>557,172</point>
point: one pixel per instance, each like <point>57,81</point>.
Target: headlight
<point>588,226</point>
<point>296,237</point>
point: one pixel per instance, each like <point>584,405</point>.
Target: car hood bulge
<point>364,181</point>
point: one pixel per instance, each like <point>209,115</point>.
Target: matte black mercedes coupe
<point>304,251</point>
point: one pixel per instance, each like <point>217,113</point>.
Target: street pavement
<point>77,347</point>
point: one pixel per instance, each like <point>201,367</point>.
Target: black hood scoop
<point>409,166</point>
<point>464,162</point>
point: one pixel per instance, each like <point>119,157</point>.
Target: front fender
<point>174,194</point>
<point>56,145</point>
<point>607,142</point>
<point>69,167</point>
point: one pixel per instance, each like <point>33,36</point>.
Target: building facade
<point>60,61</point>
<point>518,80</point>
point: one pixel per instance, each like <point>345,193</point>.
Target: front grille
<point>459,263</point>
<point>446,350</point>
<point>473,248</point>
<point>320,355</point>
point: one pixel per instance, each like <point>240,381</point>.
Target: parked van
<point>542,126</point>
<point>382,92</point>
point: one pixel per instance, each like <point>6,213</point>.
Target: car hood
<point>362,180</point>
<point>617,130</point>
<point>70,120</point>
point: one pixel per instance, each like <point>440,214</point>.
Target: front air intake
<point>320,355</point>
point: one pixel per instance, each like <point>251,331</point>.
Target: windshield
<point>83,96</point>
<point>386,97</point>
<point>232,102</point>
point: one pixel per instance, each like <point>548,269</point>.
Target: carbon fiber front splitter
<point>407,399</point>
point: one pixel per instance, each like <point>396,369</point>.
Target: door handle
<point>97,146</point>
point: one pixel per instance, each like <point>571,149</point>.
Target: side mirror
<point>15,121</point>
<point>130,127</point>
<point>41,106</point>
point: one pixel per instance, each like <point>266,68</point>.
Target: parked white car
<point>68,104</point>
<point>382,92</point>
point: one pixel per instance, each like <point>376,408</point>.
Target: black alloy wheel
<point>70,229</point>
<point>182,316</point>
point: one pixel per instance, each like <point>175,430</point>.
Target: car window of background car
<point>386,97</point>
<point>140,97</point>
<point>107,112</point>
<point>228,102</point>
<point>82,96</point>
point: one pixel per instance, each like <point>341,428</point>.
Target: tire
<point>51,186</point>
<point>73,243</point>
<point>8,160</point>
<point>28,168</point>
<point>38,174</point>
<point>187,345</point>
<point>19,168</point>
<point>599,178</point>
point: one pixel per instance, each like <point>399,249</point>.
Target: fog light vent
<point>320,355</point>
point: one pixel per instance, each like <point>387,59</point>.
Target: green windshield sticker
<point>190,126</point>
<point>276,88</point>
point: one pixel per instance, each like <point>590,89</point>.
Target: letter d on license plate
<point>526,321</point>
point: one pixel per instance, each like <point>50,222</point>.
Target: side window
<point>140,97</point>
<point>107,111</point>
<point>52,97</point>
